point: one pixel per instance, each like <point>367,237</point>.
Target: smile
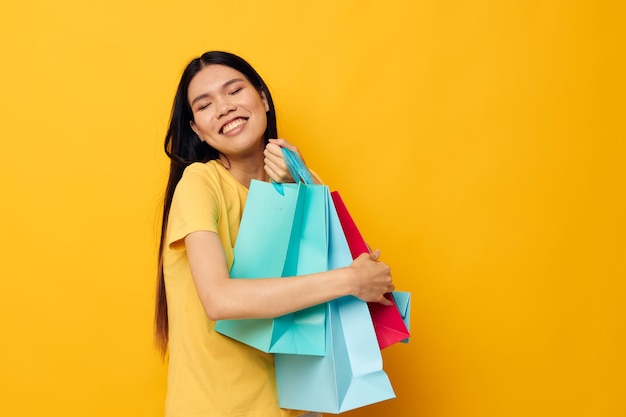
<point>233,125</point>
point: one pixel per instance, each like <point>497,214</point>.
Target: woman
<point>222,134</point>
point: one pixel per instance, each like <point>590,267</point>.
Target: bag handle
<point>296,167</point>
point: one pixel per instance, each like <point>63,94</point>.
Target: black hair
<point>184,147</point>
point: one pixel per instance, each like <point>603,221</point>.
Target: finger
<point>275,163</point>
<point>276,160</point>
<point>273,150</point>
<point>284,144</point>
<point>375,254</point>
<point>274,154</point>
<point>385,301</point>
<point>272,174</point>
<point>280,171</point>
<point>277,172</point>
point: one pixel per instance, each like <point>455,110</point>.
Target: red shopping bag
<point>388,322</point>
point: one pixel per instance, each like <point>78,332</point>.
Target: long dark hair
<point>184,147</point>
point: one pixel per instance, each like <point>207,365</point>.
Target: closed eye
<point>235,91</point>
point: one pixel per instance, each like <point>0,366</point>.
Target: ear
<point>195,129</point>
<point>264,98</point>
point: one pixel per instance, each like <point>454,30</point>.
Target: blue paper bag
<point>348,377</point>
<point>403,302</point>
<point>282,234</point>
<point>351,374</point>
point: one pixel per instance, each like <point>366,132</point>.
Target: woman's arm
<point>226,298</point>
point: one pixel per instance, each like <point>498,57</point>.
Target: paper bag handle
<point>296,167</point>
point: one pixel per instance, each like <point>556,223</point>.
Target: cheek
<point>204,125</point>
<point>262,117</point>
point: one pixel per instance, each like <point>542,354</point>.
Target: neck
<point>247,169</point>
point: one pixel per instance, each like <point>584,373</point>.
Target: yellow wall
<point>479,144</point>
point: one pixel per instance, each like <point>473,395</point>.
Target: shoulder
<point>201,174</point>
<point>198,195</point>
<point>210,180</point>
<point>198,179</point>
<point>202,169</point>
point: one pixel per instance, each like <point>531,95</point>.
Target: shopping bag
<point>391,322</point>
<point>353,236</point>
<point>350,375</point>
<point>388,323</point>
<point>403,302</point>
<point>282,234</point>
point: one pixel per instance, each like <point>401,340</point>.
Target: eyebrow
<point>226,84</point>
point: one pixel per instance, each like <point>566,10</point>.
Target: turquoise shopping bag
<point>282,234</point>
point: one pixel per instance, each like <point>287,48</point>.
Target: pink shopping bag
<point>388,322</point>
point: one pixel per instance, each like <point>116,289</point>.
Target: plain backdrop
<point>479,144</point>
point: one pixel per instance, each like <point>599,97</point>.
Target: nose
<point>224,106</point>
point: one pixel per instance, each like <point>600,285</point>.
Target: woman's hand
<point>275,165</point>
<point>372,278</point>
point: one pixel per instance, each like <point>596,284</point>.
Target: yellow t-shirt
<point>209,375</point>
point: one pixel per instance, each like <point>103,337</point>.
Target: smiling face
<point>229,113</point>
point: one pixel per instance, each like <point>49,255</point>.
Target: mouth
<point>232,125</point>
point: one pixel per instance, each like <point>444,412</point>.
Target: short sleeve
<point>194,206</point>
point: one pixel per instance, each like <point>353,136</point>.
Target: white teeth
<point>233,125</point>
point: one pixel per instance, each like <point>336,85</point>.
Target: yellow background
<point>479,144</point>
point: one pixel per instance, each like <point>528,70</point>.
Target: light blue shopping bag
<point>403,302</point>
<point>350,375</point>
